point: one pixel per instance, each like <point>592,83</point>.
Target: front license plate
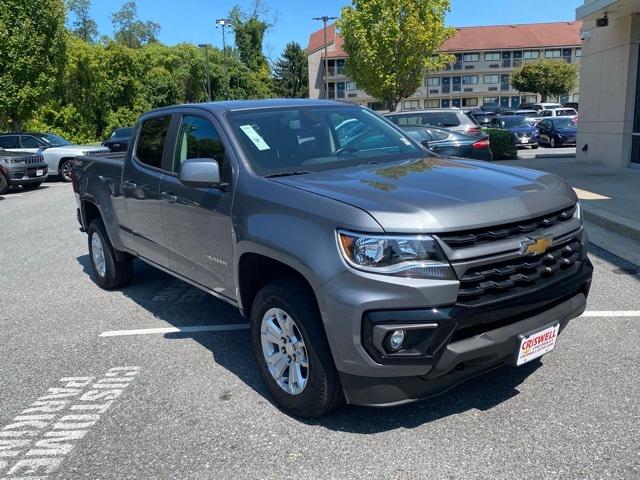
<point>39,173</point>
<point>525,140</point>
<point>537,344</point>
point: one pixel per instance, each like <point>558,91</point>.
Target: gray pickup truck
<point>372,271</point>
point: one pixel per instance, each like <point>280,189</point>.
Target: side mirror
<point>200,173</point>
<point>425,143</point>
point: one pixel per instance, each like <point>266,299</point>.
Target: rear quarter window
<point>153,135</point>
<point>9,141</point>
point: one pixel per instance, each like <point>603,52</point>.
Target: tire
<point>32,186</point>
<point>114,271</point>
<point>64,169</point>
<point>552,142</point>
<point>535,147</point>
<point>4,184</point>
<point>322,392</point>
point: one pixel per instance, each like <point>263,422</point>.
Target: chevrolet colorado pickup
<point>372,271</point>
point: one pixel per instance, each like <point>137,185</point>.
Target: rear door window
<point>9,141</point>
<point>29,141</point>
<point>151,141</point>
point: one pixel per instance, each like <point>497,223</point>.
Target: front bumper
<point>459,360</point>
<point>531,142</point>
<point>26,176</point>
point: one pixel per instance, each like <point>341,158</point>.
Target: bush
<point>503,144</point>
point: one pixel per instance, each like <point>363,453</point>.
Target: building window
<point>576,97</point>
<point>350,86</point>
<point>410,104</point>
<point>376,106</point>
<point>553,53</point>
<point>470,79</point>
<point>471,57</point>
<point>470,102</point>
<point>491,79</point>
<point>490,100</point>
<point>491,56</point>
<point>432,103</point>
<point>530,54</point>
<point>336,67</point>
<point>433,82</point>
<point>529,99</point>
<point>336,90</point>
<point>578,52</point>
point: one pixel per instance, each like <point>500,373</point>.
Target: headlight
<point>578,212</point>
<point>399,256</point>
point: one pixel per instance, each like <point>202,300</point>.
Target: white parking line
<point>151,331</point>
<point>614,313</point>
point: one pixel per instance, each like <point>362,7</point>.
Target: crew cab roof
<point>235,105</point>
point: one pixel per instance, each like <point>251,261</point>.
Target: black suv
<point>21,169</point>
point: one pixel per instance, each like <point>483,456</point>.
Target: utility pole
<point>325,19</point>
<point>223,23</point>
<point>206,68</point>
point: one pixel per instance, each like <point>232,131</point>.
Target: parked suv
<point>451,118</point>
<point>57,152</point>
<point>370,270</point>
<point>21,169</point>
<point>119,140</point>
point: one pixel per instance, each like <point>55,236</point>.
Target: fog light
<point>396,339</point>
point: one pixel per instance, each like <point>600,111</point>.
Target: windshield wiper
<point>287,174</point>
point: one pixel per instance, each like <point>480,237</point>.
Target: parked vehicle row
<point>451,143</point>
<point>372,271</point>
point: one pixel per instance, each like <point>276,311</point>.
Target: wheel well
<point>90,212</point>
<point>62,160</point>
<point>255,271</point>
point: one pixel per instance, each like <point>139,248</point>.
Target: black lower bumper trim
<point>459,360</point>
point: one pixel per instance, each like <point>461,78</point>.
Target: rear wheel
<point>4,184</point>
<point>111,268</point>
<point>552,142</point>
<point>292,351</point>
<point>32,186</point>
<point>65,169</point>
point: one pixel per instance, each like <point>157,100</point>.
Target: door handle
<point>129,185</point>
<point>168,197</point>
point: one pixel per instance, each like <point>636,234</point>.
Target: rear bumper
<point>459,361</point>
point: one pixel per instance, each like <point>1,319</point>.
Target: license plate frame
<point>40,173</point>
<point>535,344</point>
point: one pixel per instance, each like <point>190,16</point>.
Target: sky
<point>194,20</point>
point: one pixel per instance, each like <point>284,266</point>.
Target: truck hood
<point>440,194</point>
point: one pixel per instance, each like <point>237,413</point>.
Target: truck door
<point>141,190</point>
<point>197,221</point>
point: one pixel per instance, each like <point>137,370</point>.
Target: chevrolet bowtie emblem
<point>535,246</point>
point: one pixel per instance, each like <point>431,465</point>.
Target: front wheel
<point>292,351</point>
<point>552,142</point>
<point>65,170</point>
<point>4,184</point>
<point>111,268</point>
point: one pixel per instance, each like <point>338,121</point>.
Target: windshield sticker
<point>405,141</point>
<point>255,137</point>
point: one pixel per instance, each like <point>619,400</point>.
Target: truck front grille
<point>493,281</point>
<point>483,235</point>
<point>35,160</point>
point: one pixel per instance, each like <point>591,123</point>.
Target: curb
<point>555,155</point>
<point>612,221</point>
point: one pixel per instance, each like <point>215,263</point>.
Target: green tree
<point>130,30</point>
<point>546,77</point>
<point>391,43</point>
<point>291,72</point>
<point>249,29</point>
<point>83,25</point>
<point>32,52</point>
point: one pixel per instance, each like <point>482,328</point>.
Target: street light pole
<point>206,67</point>
<point>223,23</point>
<point>325,19</point>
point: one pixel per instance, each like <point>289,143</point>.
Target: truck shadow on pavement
<point>178,304</point>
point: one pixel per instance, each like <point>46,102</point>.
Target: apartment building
<point>480,74</point>
<point>609,127</point>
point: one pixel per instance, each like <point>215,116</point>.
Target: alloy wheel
<point>284,351</point>
<point>97,254</point>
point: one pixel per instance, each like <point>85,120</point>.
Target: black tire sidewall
<point>313,401</point>
<point>4,184</point>
<point>61,169</point>
<point>108,281</point>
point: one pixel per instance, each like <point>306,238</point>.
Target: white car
<point>556,112</point>
<point>57,152</point>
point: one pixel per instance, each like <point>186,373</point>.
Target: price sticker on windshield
<point>255,137</point>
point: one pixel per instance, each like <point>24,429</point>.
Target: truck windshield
<point>300,139</point>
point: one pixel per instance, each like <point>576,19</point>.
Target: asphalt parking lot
<point>81,398</point>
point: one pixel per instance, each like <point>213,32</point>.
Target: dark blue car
<point>558,132</point>
<point>525,133</point>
